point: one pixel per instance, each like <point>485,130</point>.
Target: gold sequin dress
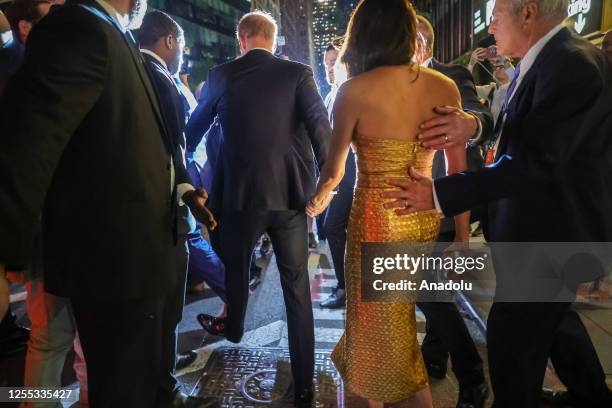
<point>378,356</point>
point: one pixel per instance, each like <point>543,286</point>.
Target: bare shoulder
<point>437,80</point>
<point>353,89</point>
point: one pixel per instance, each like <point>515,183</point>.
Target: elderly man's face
<point>606,45</point>
<point>507,29</point>
<point>330,61</point>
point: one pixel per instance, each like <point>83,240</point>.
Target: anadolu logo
<point>580,8</point>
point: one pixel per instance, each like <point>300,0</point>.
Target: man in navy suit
<point>272,118</point>
<point>550,183</point>
<point>162,42</point>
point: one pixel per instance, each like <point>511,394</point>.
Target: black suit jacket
<point>469,97</point>
<point>552,180</point>
<point>175,116</point>
<point>83,145</point>
<point>272,117</point>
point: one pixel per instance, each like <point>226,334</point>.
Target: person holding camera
<point>494,93</point>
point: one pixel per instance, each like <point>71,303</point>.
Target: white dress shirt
<point>259,48</point>
<point>526,64</point>
<point>496,99</point>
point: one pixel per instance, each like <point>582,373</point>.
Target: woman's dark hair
<point>380,33</point>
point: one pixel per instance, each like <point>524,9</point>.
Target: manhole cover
<point>262,387</point>
<point>261,377</point>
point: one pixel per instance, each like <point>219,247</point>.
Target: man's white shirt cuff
<point>478,136</point>
<point>181,189</point>
<point>436,202</point>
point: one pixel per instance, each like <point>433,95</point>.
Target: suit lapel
<point>170,140</point>
<point>517,99</point>
<point>145,77</point>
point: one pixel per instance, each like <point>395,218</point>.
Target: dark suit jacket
<point>173,110</point>
<point>470,103</point>
<point>83,145</point>
<point>272,117</point>
<point>469,97</point>
<point>11,57</point>
<point>552,180</point>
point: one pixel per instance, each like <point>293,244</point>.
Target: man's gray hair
<point>550,9</point>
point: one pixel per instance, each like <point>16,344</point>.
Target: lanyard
<point>501,119</point>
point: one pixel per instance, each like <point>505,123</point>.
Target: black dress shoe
<point>336,300</point>
<point>266,246</point>
<point>185,360</point>
<point>304,399</point>
<point>185,401</point>
<point>473,397</point>
<point>437,371</point>
<point>557,398</point>
<point>313,242</point>
<point>254,283</point>
<point>301,399</point>
<point>213,325</point>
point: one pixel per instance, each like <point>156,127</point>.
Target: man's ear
<point>529,12</point>
<point>242,42</point>
<point>24,29</point>
<point>168,41</point>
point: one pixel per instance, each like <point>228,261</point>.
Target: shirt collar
<point>262,49</point>
<point>154,55</point>
<point>123,21</point>
<point>531,56</point>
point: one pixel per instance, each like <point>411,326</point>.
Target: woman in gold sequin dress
<point>378,111</point>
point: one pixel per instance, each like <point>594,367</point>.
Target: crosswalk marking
<point>328,314</point>
<point>18,297</point>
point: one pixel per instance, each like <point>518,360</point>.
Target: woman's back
<point>391,102</point>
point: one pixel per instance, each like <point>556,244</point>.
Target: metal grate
<point>261,377</point>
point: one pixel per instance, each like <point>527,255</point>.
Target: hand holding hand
<point>196,201</point>
<point>318,204</point>
<point>415,195</point>
<point>452,128</point>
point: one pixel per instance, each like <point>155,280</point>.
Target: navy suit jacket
<point>469,97</point>
<point>552,180</point>
<point>175,115</point>
<point>272,118</point>
<point>173,111</point>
